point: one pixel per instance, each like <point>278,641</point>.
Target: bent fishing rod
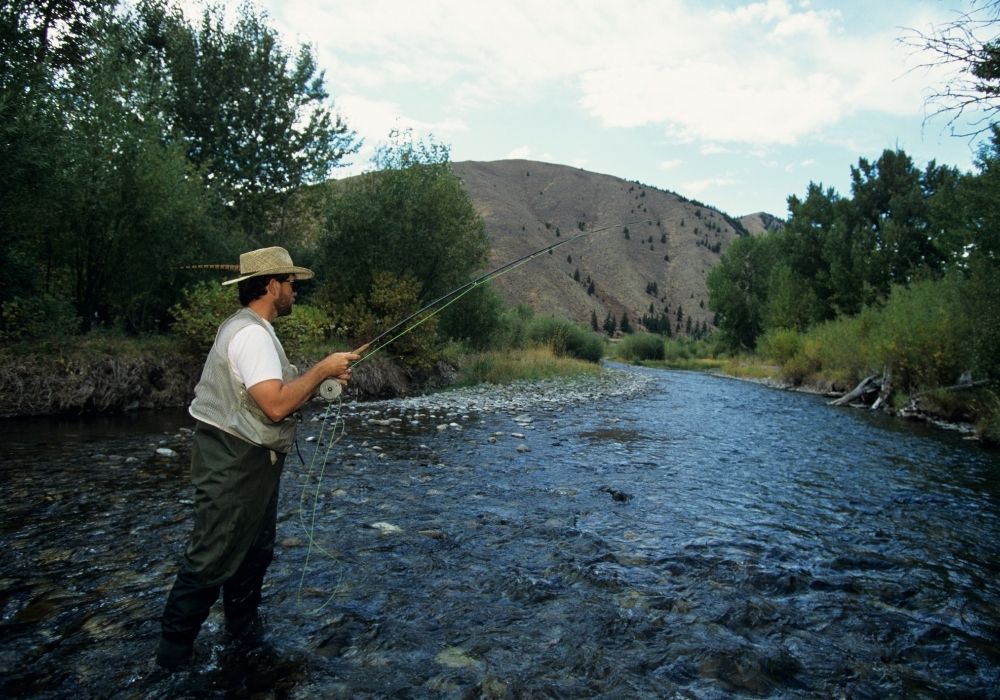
<point>330,388</point>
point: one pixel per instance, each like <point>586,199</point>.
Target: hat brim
<point>301,273</point>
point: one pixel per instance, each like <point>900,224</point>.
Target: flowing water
<point>709,539</point>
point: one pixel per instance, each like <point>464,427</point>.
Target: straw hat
<point>269,261</point>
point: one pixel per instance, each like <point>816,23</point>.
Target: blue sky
<point>736,104</point>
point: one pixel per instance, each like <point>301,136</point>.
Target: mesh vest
<point>221,400</point>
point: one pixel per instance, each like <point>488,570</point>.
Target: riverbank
<point>111,374</point>
<point>88,380</point>
<point>943,408</point>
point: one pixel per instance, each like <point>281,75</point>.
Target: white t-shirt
<point>253,356</point>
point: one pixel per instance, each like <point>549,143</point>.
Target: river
<point>705,538</point>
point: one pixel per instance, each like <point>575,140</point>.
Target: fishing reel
<point>330,389</point>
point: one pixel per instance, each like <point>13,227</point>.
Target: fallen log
<point>867,384</point>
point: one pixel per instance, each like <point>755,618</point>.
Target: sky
<point>738,104</point>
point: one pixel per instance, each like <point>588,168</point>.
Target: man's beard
<point>283,307</point>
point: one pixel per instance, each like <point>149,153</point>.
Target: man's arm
<point>279,400</point>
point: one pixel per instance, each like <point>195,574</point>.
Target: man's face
<point>286,297</point>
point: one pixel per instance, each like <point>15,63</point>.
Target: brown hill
<point>761,222</point>
<point>657,261</point>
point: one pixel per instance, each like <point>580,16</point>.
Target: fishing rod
<point>330,388</point>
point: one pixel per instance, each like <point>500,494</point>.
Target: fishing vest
<point>220,399</point>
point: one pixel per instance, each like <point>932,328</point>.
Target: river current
<point>707,538</point>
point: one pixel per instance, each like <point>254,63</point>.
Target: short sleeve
<point>253,357</point>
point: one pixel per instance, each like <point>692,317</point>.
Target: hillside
<point>660,260</point>
<point>761,222</point>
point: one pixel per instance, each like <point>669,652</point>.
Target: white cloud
<point>712,149</point>
<point>769,72</point>
<point>670,164</point>
<point>519,153</point>
<point>697,187</point>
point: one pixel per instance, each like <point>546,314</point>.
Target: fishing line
<point>336,432</point>
<point>331,389</point>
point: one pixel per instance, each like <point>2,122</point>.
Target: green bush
<point>565,338</point>
<point>205,305</point>
<point>302,330</point>
<point>689,349</point>
<point>37,318</point>
<point>921,335</point>
<point>641,346</point>
<point>840,350</point>
<point>512,329</point>
<point>805,363</point>
<point>779,345</point>
<point>201,309</point>
<point>475,319</point>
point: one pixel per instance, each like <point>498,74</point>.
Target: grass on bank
<point>503,367</point>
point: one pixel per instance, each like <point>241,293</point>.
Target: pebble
<point>166,452</point>
<point>523,448</point>
<point>518,398</point>
<point>386,528</point>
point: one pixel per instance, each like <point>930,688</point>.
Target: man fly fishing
<point>244,405</point>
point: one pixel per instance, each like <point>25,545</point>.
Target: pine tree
<point>610,324</point>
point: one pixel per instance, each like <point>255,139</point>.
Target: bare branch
<point>970,47</point>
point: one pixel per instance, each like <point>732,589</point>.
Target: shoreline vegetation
<point>109,373</point>
<point>967,406</point>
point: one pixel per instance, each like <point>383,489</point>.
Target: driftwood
<point>867,385</point>
<point>966,385</point>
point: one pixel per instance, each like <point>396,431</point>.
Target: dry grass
<point>508,366</point>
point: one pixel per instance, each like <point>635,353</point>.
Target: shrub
<point>530,364</point>
<point>37,318</point>
<point>205,305</point>
<point>779,345</point>
<point>389,300</point>
<point>805,363</point>
<point>201,309</point>
<point>512,329</point>
<point>688,349</point>
<point>306,327</point>
<point>475,319</point>
<point>565,338</point>
<point>641,346</point>
<point>921,335</point>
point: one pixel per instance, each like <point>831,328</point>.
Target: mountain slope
<point>660,259</point>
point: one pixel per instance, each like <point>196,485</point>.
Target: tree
<point>410,218</point>
<point>625,325</point>
<point>610,324</point>
<point>969,46</point>
<point>890,201</point>
<point>593,321</point>
<point>252,114</point>
<point>92,181</point>
<point>40,44</point>
<point>738,290</point>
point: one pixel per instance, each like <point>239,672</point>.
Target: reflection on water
<point>764,544</point>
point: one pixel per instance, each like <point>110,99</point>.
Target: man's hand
<point>338,365</point>
<point>278,400</point>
